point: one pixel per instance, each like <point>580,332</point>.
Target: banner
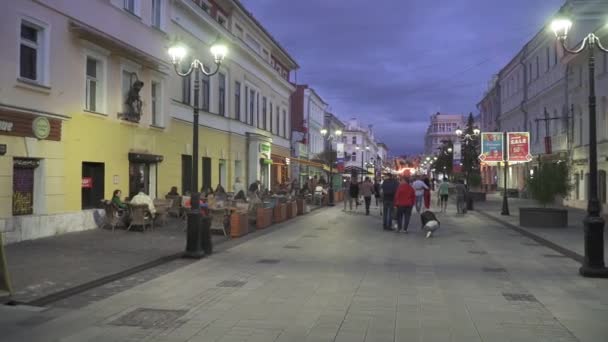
<point>340,148</point>
<point>519,147</point>
<point>457,160</point>
<point>492,147</point>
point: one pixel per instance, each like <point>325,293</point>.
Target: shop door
<point>186,174</point>
<point>139,176</point>
<point>23,186</point>
<point>222,170</point>
<point>93,186</point>
<point>207,173</point>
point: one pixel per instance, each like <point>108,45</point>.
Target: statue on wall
<point>134,102</point>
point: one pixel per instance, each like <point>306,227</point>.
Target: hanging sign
<point>87,182</point>
<point>519,147</point>
<point>492,147</point>
<point>457,160</point>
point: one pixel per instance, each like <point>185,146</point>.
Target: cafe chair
<point>113,217</point>
<point>140,216</point>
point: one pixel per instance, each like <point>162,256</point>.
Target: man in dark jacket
<point>389,188</point>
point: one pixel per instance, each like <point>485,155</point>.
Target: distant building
<point>442,127</point>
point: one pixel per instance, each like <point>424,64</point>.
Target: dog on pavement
<point>430,223</point>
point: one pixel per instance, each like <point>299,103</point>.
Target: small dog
<point>429,222</point>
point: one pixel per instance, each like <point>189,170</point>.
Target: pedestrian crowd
<point>400,195</point>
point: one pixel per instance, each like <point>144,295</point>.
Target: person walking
<point>347,198</point>
<point>404,201</point>
<point>419,186</point>
<point>367,190</point>
<point>444,191</point>
<point>427,194</point>
<point>377,191</point>
<point>389,188</point>
<point>354,194</point>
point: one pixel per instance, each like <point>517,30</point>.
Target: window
<point>156,107</point>
<point>555,54</point>
<point>252,43</point>
<point>93,86</point>
<point>285,132</point>
<point>205,89</point>
<point>537,67</point>
<point>128,78</point>
<point>251,105</point>
<point>23,185</point>
<point>93,175</point>
<point>354,141</point>
<point>277,121</point>
<point>30,52</point>
<point>257,108</point>
<point>129,6</point>
<point>222,94</point>
<point>580,129</point>
<point>187,89</point>
<point>237,101</point>
<point>530,73</point>
<point>353,156</point>
<point>238,31</point>
<point>271,119</point>
<point>262,125</point>
<point>156,13</point>
<point>221,20</point>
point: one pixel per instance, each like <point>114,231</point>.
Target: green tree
<point>550,180</point>
<point>470,152</point>
<point>445,156</point>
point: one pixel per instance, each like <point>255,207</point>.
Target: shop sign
<point>6,126</point>
<point>87,182</point>
<point>492,147</point>
<point>41,127</point>
<point>265,148</point>
<point>519,147</point>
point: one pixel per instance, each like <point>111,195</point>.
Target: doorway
<point>207,173</point>
<point>139,176</point>
<point>93,184</point>
<point>186,174</point>
<point>222,173</point>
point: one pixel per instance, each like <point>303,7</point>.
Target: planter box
<point>543,217</point>
<point>300,206</point>
<point>280,213</point>
<point>292,209</point>
<point>239,224</point>
<point>478,196</point>
<point>263,218</point>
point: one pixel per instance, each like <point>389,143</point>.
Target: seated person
<point>116,200</point>
<point>173,191</point>
<point>240,196</point>
<point>143,198</point>
<point>220,193</point>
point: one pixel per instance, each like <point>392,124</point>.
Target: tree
<point>327,158</point>
<point>551,180</point>
<point>444,158</point>
<point>470,151</point>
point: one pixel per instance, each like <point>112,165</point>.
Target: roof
<point>259,25</point>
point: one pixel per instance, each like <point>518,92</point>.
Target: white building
<point>442,127</point>
<point>361,150</point>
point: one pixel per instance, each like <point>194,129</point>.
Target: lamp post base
<point>505,207</point>
<point>194,236</point>
<point>593,265</point>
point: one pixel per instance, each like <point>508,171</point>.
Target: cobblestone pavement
<point>334,276</point>
<point>44,266</point>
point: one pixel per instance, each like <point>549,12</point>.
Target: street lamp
<point>466,138</point>
<point>330,137</point>
<point>593,265</point>
<point>196,237</point>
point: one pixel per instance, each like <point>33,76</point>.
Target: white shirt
<point>142,198</point>
<point>419,186</point>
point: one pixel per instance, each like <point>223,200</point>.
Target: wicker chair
<point>176,205</point>
<point>163,206</point>
<point>140,216</point>
<point>113,216</point>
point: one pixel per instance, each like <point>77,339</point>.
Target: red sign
<point>519,147</point>
<point>87,182</point>
<point>548,147</point>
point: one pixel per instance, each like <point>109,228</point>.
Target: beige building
<point>67,137</point>
<point>442,127</point>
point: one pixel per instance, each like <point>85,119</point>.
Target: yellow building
<point>76,124</point>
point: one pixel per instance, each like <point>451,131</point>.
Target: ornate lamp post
<point>466,138</point>
<point>198,241</point>
<point>330,138</point>
<point>593,265</point>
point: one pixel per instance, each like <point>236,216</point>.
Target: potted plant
<point>550,180</point>
<point>239,223</point>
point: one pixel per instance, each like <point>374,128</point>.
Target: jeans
<point>387,214</point>
<point>419,200</point>
<point>403,217</point>
<point>368,202</point>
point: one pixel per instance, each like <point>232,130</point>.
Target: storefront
<point>280,165</point>
<point>143,173</point>
<point>259,161</point>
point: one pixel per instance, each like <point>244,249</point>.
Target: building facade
<point>489,111</point>
<point>92,104</point>
<point>442,127</point>
<point>544,92</point>
<point>363,154</point>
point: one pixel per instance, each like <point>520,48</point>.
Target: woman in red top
<point>405,198</point>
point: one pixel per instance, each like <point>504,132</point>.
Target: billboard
<point>492,147</point>
<point>519,147</point>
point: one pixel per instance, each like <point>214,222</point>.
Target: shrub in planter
<point>550,181</point>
